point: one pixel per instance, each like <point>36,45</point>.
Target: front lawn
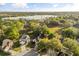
<point>54,29</point>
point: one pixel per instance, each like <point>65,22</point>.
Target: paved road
<point>31,53</point>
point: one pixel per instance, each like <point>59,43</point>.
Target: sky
<point>37,7</point>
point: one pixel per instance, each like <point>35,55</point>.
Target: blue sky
<point>38,7</point>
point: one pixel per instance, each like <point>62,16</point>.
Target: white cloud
<point>76,7</point>
<point>2,3</point>
<point>39,1</point>
<point>55,5</point>
<point>67,7</point>
<point>20,5</point>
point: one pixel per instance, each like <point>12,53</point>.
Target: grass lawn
<point>2,53</point>
<point>54,29</point>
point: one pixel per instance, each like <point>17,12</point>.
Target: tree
<point>56,44</point>
<point>70,32</point>
<point>52,22</point>
<point>51,35</point>
<point>12,33</point>
<point>19,24</point>
<point>37,29</point>
<point>2,27</point>
<point>68,23</point>
<point>72,46</point>
<point>45,45</point>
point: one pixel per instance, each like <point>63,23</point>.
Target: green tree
<point>2,27</point>
<point>12,33</point>
<point>19,24</point>
<point>68,23</point>
<point>52,22</point>
<point>56,44</point>
<point>37,28</point>
<point>72,46</point>
<point>45,44</point>
<point>70,32</point>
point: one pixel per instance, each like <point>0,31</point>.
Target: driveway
<point>31,53</point>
